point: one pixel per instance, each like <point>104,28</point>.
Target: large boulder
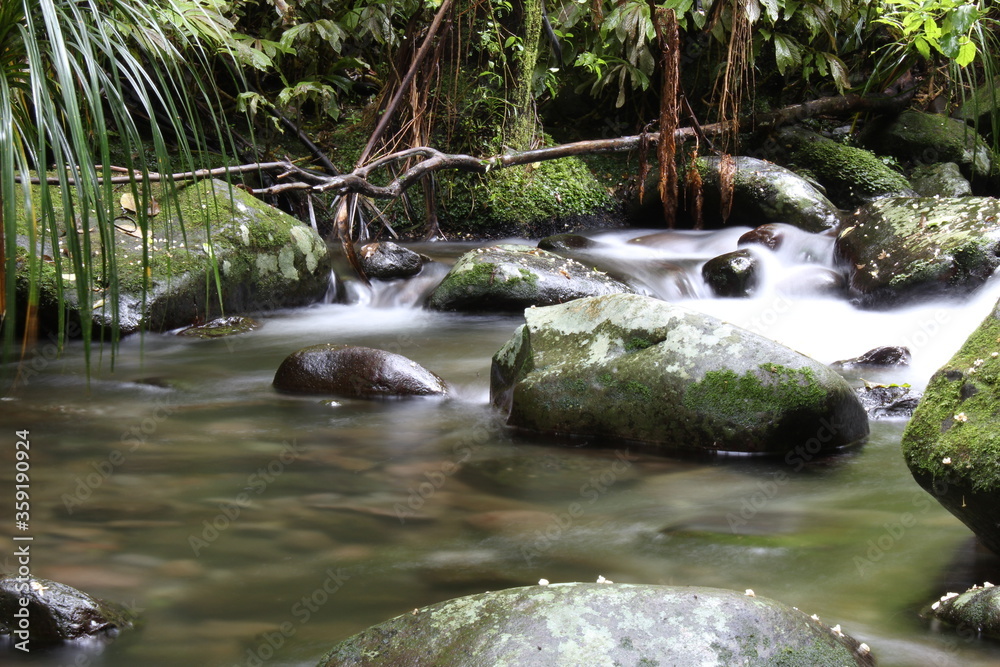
<point>923,138</point>
<point>602,624</point>
<point>899,249</point>
<point>511,277</point>
<point>263,259</point>
<point>632,367</point>
<point>850,175</point>
<point>952,442</point>
<point>354,372</point>
<point>762,192</point>
<point>41,611</point>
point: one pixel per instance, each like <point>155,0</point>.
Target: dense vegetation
<point>168,85</point>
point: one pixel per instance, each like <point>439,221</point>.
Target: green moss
<point>635,344</point>
<point>740,398</point>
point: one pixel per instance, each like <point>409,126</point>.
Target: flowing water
<point>254,528</point>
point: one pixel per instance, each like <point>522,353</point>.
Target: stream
<point>247,527</point>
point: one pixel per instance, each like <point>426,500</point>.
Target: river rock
<point>951,443</point>
<point>979,109</point>
<point>632,367</point>
<point>355,372</point>
<point>732,274</point>
<point>887,355</point>
<point>765,192</point>
<point>560,243</point>
<point>266,259</point>
<point>977,609</point>
<point>602,624</point>
<point>890,401</point>
<point>942,179</point>
<point>513,277</point>
<point>57,612</point>
<point>850,175</point>
<point>220,327</point>
<point>899,249</point>
<point>924,138</point>
<point>386,260</point>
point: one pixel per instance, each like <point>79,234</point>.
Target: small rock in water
<point>888,401</point>
<point>889,355</point>
<point>387,260</point>
<point>56,613</point>
<point>219,327</point>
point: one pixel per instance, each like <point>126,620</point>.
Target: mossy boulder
<point>511,277</point>
<point>899,249</point>
<point>952,442</point>
<point>263,259</point>
<point>925,138</point>
<point>942,179</point>
<point>634,368</point>
<point>734,273</point>
<point>602,624</point>
<point>765,192</point>
<point>850,175</point>
<point>977,609</point>
<point>355,372</point>
<point>56,613</point>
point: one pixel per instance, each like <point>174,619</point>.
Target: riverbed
<point>247,527</point>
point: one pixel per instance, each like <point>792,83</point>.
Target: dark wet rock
<point>977,609</point>
<point>56,613</point>
<point>635,368</point>
<point>762,192</point>
<point>952,440</point>
<point>221,326</point>
<point>771,235</point>
<point>386,260</point>
<point>354,372</point>
<point>900,249</point>
<point>602,624</point>
<point>942,179</point>
<point>765,192</point>
<point>514,277</point>
<point>888,401</point>
<point>850,175</point>
<point>732,274</point>
<point>265,258</point>
<point>924,138</point>
<point>888,355</point>
<point>559,243</point>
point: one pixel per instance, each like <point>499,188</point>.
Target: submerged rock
<point>851,176</point>
<point>602,624</point>
<point>899,249</point>
<point>265,259</point>
<point>977,609</point>
<point>222,326</point>
<point>633,367</point>
<point>889,401</point>
<point>732,274</point>
<point>386,260</point>
<point>56,612</point>
<point>513,277</point>
<point>952,442</point>
<point>355,372</point>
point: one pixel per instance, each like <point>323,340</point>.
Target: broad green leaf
<point>966,54</point>
<point>787,52</point>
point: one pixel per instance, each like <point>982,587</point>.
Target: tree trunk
<point>522,129</point>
